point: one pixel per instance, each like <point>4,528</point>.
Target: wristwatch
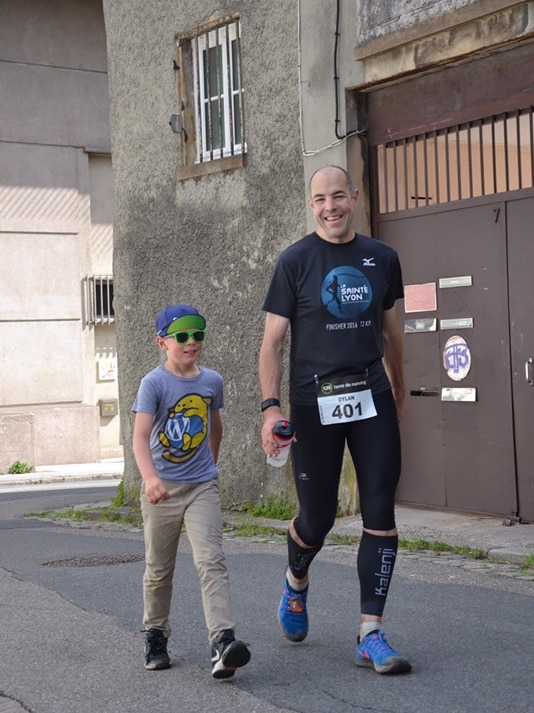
<point>268,403</point>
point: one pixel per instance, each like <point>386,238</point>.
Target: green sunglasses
<point>183,337</point>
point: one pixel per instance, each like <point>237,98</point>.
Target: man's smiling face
<point>332,204</point>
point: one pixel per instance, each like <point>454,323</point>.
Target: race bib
<point>344,399</point>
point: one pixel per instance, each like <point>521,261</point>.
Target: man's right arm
<point>270,375</point>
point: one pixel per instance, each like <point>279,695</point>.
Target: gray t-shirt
<point>180,435</point>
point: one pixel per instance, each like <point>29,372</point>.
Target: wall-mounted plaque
<point>457,358</point>
<point>420,325</point>
<point>458,394</point>
<point>465,323</point>
<point>463,281</point>
<point>420,298</point>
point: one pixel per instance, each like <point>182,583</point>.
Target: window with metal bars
<point>211,92</point>
<point>477,158</point>
<point>100,300</point>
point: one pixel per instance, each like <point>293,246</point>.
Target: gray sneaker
<point>156,655</point>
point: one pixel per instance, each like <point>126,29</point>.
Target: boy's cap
<point>178,318</point>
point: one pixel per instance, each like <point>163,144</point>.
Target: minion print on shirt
<point>185,429</point>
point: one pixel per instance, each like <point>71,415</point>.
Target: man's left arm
<point>393,356</point>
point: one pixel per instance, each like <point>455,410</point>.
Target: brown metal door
<point>520,223</point>
<point>458,454</point>
<point>423,478</point>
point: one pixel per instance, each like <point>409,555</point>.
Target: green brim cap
<point>189,321</point>
<point>176,318</point>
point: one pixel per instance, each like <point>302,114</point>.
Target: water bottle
<point>283,434</point>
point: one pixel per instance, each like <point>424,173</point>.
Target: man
<point>337,290</point>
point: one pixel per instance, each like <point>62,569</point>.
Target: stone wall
<point>208,241</point>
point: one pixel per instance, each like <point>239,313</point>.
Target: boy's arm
<point>216,432</point>
<point>155,489</point>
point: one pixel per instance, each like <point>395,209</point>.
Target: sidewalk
<point>501,539</point>
<point>108,469</point>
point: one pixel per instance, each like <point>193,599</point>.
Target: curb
<point>48,478</point>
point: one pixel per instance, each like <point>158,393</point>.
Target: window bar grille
<point>490,156</point>
<point>377,157</point>
<point>425,162</point>
<point>415,177</point>
<point>386,177</point>
<point>395,177</point>
<point>198,79</point>
<point>88,300</point>
<point>470,159</point>
<point>209,104</point>
<point>219,81</point>
<point>481,153</point>
<point>494,154</point>
<point>506,154</point>
<point>436,166</point>
<point>100,300</point>
<point>105,300</point>
<point>240,90</point>
<point>458,163</point>
<point>405,161</point>
<point>229,85</point>
<point>519,146</point>
<point>447,166</point>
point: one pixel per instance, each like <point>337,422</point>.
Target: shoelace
<point>377,646</point>
<point>296,601</point>
<point>226,638</point>
<point>157,644</point>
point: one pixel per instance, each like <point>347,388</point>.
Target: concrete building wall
<point>208,241</point>
<point>211,240</point>
<point>379,43</point>
<point>376,20</point>
<point>54,116</point>
<point>325,140</point>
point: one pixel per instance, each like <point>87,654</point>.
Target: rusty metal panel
<point>458,453</point>
<point>477,158</point>
<point>452,176</point>
<point>478,437</point>
<point>422,478</point>
<point>464,92</point>
<point>520,222</point>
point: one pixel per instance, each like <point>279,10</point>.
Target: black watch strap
<point>268,403</point>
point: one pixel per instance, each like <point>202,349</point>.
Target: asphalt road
<point>70,617</point>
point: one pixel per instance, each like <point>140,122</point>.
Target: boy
<point>176,439</point>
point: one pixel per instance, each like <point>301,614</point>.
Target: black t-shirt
<point>334,296</point>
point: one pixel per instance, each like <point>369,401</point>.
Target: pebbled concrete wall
<point>207,241</point>
<point>376,19</point>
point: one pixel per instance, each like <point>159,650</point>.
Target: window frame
<point>204,90</point>
<point>99,300</point>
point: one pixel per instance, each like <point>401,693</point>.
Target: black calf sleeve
<point>300,558</point>
<point>376,560</point>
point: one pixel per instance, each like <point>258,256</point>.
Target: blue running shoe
<point>375,652</point>
<point>292,614</point>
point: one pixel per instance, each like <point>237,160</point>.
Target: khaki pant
<point>199,507</point>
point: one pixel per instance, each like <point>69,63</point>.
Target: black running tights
<point>374,445</point>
